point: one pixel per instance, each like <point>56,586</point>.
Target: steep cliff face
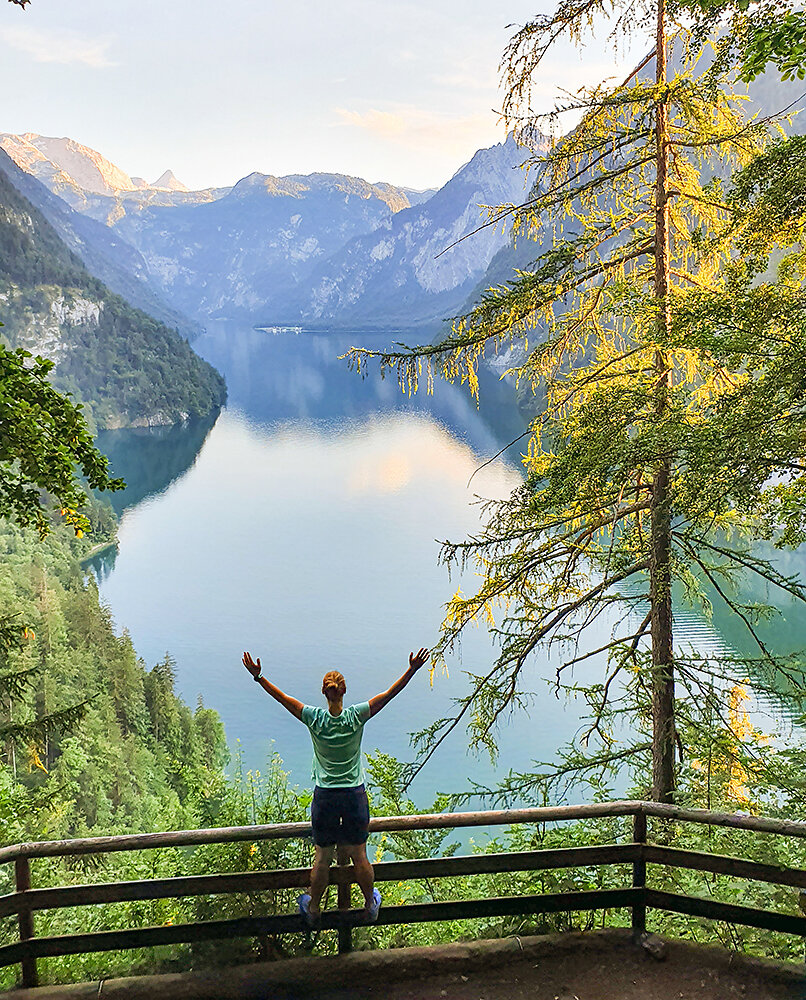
<point>130,369</point>
<point>106,256</point>
<point>88,168</point>
<point>32,160</point>
<point>767,96</point>
<point>399,274</point>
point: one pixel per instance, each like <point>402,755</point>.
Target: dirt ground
<point>588,973</point>
<point>603,965</point>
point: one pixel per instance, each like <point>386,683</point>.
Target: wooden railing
<point>638,896</point>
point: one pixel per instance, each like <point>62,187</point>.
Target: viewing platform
<point>628,962</point>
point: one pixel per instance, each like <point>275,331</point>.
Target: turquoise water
<point>304,525</point>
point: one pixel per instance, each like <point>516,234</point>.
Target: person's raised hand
<point>415,662</point>
<point>251,666</point>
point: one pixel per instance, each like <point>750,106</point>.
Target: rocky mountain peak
<point>87,167</point>
<point>297,185</point>
<point>168,181</point>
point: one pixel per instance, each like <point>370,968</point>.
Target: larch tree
<point>661,352</point>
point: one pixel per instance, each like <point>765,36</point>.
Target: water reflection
<point>102,564</point>
<point>278,377</point>
<point>781,631</point>
<point>151,458</point>
<point>306,529</point>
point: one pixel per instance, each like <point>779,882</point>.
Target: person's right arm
<point>291,704</point>
<point>382,700</point>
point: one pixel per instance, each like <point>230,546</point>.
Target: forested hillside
<point>139,759</point>
<point>113,261</point>
<point>92,740</point>
<point>130,369</point>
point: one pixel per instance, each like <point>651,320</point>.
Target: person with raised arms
<point>340,809</point>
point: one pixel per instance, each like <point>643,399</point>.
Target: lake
<point>304,525</point>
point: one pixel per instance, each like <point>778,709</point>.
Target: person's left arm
<point>382,700</point>
<point>290,704</point>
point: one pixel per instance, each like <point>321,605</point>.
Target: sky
<point>403,92</point>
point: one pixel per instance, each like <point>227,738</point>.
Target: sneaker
<point>371,911</point>
<point>311,919</point>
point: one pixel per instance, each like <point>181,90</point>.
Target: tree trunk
<point>660,596</point>
<point>660,591</point>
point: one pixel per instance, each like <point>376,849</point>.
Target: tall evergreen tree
<point>655,443</point>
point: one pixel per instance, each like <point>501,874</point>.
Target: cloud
<point>59,46</point>
<point>420,129</point>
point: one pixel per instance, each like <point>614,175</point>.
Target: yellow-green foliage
<point>657,396</point>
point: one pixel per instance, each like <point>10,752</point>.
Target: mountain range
<point>321,250</point>
<point>76,172</point>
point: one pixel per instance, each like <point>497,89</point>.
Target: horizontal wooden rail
<point>293,878</point>
<point>731,913</point>
<point>736,821</point>
<point>286,831</point>
<point>462,909</point>
<point>381,824</point>
<point>721,864</point>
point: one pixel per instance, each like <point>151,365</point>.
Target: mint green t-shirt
<point>336,745</point>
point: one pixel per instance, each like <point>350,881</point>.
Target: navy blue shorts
<point>340,816</point>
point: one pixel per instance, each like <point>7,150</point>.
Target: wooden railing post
<point>22,873</point>
<point>639,875</point>
<point>343,901</point>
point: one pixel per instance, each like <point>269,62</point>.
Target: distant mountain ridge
<point>77,169</point>
<point>319,249</point>
<point>242,255</point>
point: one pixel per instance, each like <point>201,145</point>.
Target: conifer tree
<point>643,322</point>
<point>20,727</point>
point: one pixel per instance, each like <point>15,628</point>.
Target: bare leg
<point>320,875</point>
<point>364,872</point>
<point>345,891</point>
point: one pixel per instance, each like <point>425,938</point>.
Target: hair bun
<point>333,681</point>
